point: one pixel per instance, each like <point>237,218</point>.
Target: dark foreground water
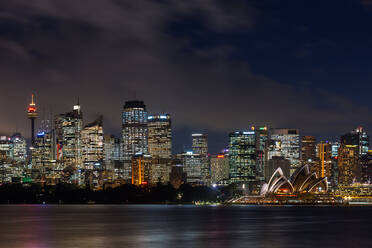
<point>110,226</point>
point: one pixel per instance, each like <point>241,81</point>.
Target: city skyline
<point>185,123</point>
<point>179,144</point>
<point>195,62</point>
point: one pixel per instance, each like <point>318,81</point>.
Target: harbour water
<point>44,226</point>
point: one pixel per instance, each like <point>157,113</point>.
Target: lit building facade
<point>200,147</point>
<point>242,157</point>
<point>308,149</point>
<point>262,138</point>
<point>92,145</point>
<point>68,144</point>
<point>6,149</point>
<point>200,143</point>
<point>193,167</point>
<point>42,151</point>
<point>134,134</point>
<point>348,159</point>
<point>286,143</point>
<point>366,168</point>
<point>19,148</point>
<point>335,146</point>
<point>160,147</point>
<point>324,166</point>
<point>358,138</point>
<point>219,169</point>
<point>160,136</point>
<point>112,151</point>
<point>141,170</point>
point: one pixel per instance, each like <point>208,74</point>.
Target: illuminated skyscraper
<point>242,157</point>
<point>193,167</point>
<point>308,149</point>
<point>335,146</point>
<point>324,168</point>
<point>32,115</point>
<point>19,148</point>
<point>200,144</point>
<point>366,168</point>
<point>359,138</point>
<point>160,136</point>
<point>286,143</point>
<point>112,151</point>
<point>92,145</point>
<point>160,147</point>
<point>42,154</point>
<point>68,128</point>
<point>134,133</point>
<point>200,147</point>
<point>219,169</point>
<point>6,149</point>
<point>348,159</point>
<point>262,138</point>
<point>141,169</point>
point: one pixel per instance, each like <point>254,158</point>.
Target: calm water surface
<point>113,226</point>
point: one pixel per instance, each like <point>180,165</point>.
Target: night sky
<point>215,66</point>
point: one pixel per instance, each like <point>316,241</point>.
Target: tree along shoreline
<point>125,194</point>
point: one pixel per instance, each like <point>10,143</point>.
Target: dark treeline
<point>71,194</point>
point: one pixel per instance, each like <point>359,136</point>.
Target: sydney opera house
<point>302,181</point>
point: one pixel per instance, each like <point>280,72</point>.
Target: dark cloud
<point>366,2</point>
<point>107,52</point>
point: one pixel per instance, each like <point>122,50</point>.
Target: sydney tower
<point>32,115</point>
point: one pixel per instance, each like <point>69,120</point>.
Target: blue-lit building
<point>242,157</point>
<point>134,134</point>
<point>42,151</point>
<point>335,146</point>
